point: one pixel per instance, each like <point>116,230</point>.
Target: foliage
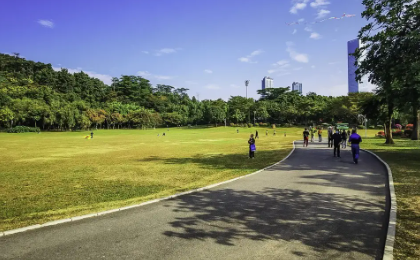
<point>23,129</point>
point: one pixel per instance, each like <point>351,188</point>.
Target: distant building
<point>296,86</point>
<point>267,82</point>
<point>352,82</point>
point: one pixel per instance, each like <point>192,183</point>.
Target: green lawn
<point>49,176</point>
<point>404,160</point>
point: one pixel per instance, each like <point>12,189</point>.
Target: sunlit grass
<point>404,159</point>
<point>49,176</point>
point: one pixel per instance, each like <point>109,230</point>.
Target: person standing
<point>305,137</point>
<point>344,139</point>
<point>252,148</point>
<point>91,135</point>
<point>274,133</point>
<point>256,134</point>
<point>336,138</point>
<point>355,140</point>
<point>266,132</point>
<point>320,134</point>
<point>330,139</point>
<point>237,130</point>
<point>312,134</point>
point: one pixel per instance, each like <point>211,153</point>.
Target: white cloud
<point>315,36</point>
<point>301,20</point>
<point>234,86</point>
<point>282,67</point>
<point>308,29</point>
<point>147,74</point>
<point>313,67</point>
<point>145,52</point>
<point>107,79</point>
<point>248,57</point>
<point>46,23</point>
<point>212,86</point>
<point>322,13</point>
<point>298,5</point>
<point>208,71</point>
<point>282,63</point>
<point>165,51</point>
<point>299,57</point>
<point>294,31</point>
<point>318,3</point>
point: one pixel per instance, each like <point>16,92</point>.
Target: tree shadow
<point>327,223</point>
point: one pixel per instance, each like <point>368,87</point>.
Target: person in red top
<point>305,137</point>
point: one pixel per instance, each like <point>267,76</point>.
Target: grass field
<point>49,176</point>
<point>404,160</point>
<point>56,175</point>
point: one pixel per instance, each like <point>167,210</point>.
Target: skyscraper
<point>267,82</point>
<point>352,82</point>
<point>296,86</point>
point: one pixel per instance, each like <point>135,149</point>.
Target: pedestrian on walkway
<point>320,134</point>
<point>312,134</point>
<point>355,140</point>
<point>256,134</point>
<point>252,148</point>
<point>344,139</point>
<point>336,138</point>
<point>305,137</point>
<point>330,139</point>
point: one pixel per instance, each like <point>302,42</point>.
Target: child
<point>252,149</point>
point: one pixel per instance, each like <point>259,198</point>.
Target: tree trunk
<point>416,115</point>
<point>388,133</point>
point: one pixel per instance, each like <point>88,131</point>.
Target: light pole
<point>246,87</point>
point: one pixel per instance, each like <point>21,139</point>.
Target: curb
<point>76,218</point>
<point>390,237</point>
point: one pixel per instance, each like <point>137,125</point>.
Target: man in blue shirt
<point>355,140</point>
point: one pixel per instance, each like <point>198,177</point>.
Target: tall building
<point>267,82</point>
<point>352,82</point>
<point>296,86</point>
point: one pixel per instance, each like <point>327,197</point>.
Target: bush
<point>408,133</point>
<point>273,126</point>
<point>232,124</point>
<point>250,125</point>
<point>23,129</point>
<point>371,127</point>
<point>397,132</point>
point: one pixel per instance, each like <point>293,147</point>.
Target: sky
<point>208,46</point>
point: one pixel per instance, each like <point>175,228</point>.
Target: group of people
<point>337,139</point>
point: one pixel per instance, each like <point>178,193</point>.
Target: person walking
<point>320,134</point>
<point>330,139</point>
<point>344,139</point>
<point>336,138</point>
<point>252,149</point>
<point>305,137</point>
<point>355,141</point>
<point>312,134</point>
<point>256,134</point>
<point>274,133</point>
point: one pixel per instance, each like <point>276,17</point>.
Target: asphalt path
<point>311,206</point>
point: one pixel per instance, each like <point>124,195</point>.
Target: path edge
<point>392,223</point>
<point>76,218</point>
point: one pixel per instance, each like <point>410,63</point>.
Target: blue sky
<point>208,46</point>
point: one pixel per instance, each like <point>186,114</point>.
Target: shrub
<point>371,127</point>
<point>360,127</point>
<point>23,129</point>
<point>249,125</point>
<point>273,126</point>
<point>397,132</point>
<point>232,124</point>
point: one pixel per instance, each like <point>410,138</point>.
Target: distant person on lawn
<point>355,140</point>
<point>266,132</point>
<point>252,148</point>
<point>256,134</point>
<point>305,137</point>
<point>336,138</point>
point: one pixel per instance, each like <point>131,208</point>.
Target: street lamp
<point>246,87</point>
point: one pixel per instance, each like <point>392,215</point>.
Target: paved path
<point>312,206</point>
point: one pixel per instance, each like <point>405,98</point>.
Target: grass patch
<point>404,159</point>
<point>49,176</point>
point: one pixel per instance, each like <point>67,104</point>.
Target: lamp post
<point>246,87</point>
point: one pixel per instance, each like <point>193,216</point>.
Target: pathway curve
<point>311,206</point>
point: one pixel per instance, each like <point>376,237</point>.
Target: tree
<point>6,116</point>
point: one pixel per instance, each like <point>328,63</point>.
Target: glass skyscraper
<point>296,86</point>
<point>352,82</point>
<point>267,82</point>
